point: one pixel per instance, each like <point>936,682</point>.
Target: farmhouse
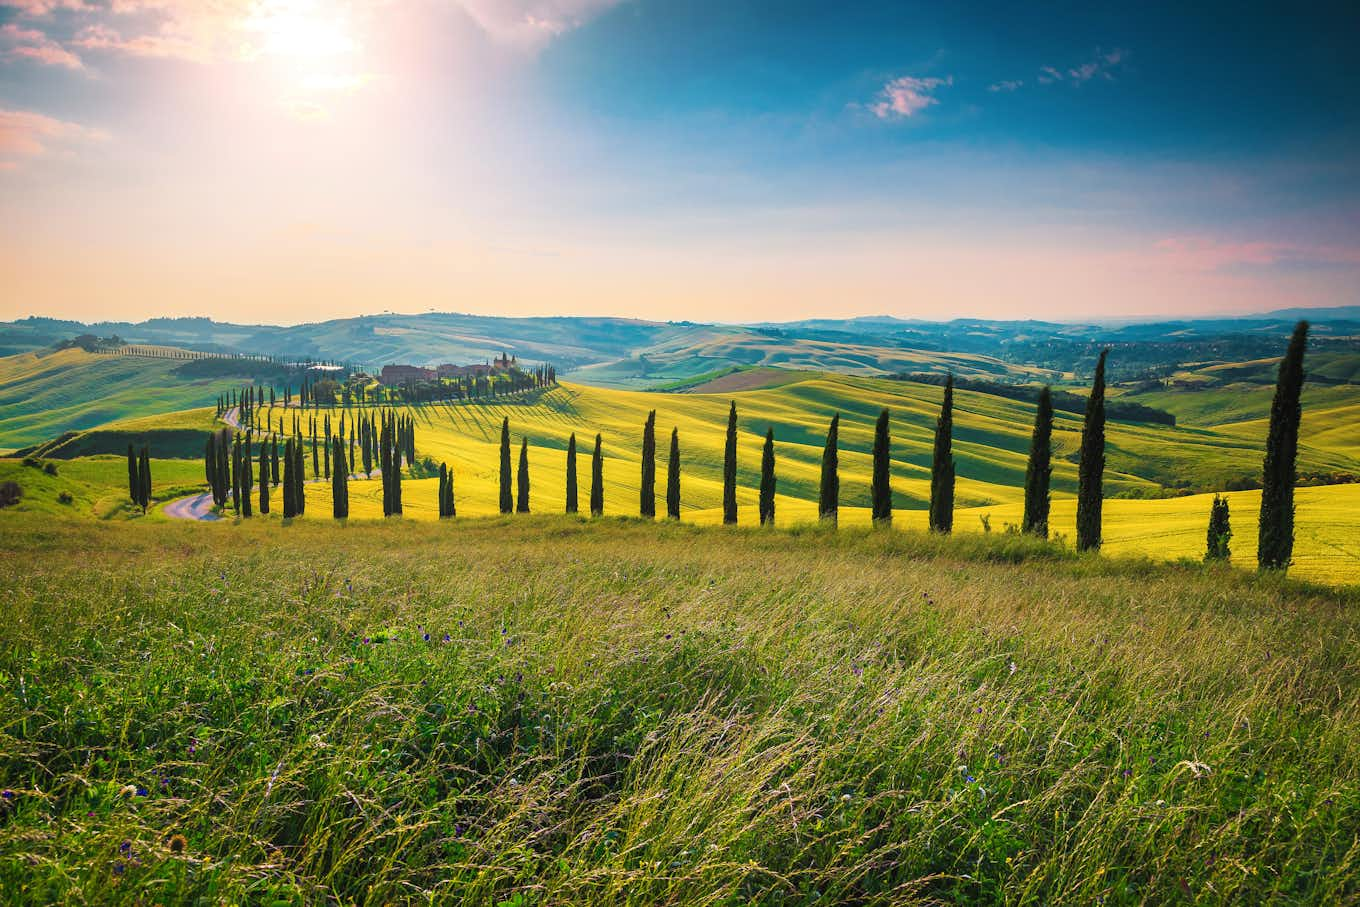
<point>401,374</point>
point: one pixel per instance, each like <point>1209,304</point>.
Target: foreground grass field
<point>616,713</point>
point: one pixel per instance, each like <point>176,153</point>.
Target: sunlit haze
<point>292,160</point>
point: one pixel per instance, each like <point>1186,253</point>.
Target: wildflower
<point>125,847</point>
<point>143,792</point>
<point>118,868</point>
<point>7,794</point>
<point>365,640</point>
<point>969,779</point>
<point>425,637</point>
<point>177,843</point>
<point>446,637</point>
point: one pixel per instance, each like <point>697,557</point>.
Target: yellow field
<point>991,440</point>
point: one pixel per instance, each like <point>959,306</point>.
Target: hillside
<point>543,711</point>
<point>1150,467</point>
<point>43,395</point>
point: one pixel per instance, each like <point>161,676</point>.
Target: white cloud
<point>907,96</point>
<point>1006,85</point>
<point>530,24</point>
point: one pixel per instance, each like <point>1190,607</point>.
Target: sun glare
<point>311,46</point>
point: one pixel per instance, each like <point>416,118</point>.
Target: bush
<point>10,493</point>
<point>50,468</point>
<point>65,498</point>
<point>32,462</point>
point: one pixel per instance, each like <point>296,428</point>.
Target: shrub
<point>10,493</point>
<point>65,498</point>
<point>50,468</point>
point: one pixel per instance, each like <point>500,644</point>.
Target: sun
<point>311,46</point>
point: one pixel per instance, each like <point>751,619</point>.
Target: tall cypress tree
<point>144,479</point>
<point>597,478</point>
<point>299,479</point>
<point>571,474</point>
<point>450,504</point>
<point>133,480</point>
<point>647,492</point>
<point>274,461</point>
<point>942,465</point>
<point>316,459</point>
<point>1040,469</point>
<point>236,474</point>
<point>326,458</point>
<point>289,500</point>
<point>507,497</point>
<point>673,477</point>
<point>767,479</point>
<point>829,494</point>
<point>1220,531</point>
<point>1091,469</point>
<point>385,466</point>
<point>443,488</point>
<point>339,484</point>
<point>247,476</point>
<point>730,468</point>
<point>1275,531</point>
<point>522,478</point>
<point>881,487</point>
<point>396,476</point>
<point>264,478</point>
<point>209,467</point>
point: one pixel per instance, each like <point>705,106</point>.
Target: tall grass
<point>662,714</point>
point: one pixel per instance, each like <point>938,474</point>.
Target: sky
<point>283,161</point>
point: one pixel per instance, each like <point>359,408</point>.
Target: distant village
<point>400,375</point>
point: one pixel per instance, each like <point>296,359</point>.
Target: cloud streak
<point>531,24</point>
<point>34,46</point>
<point>25,135</point>
<point>907,96</point>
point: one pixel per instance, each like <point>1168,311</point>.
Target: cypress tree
<point>133,475</point>
<point>673,477</point>
<point>767,479</point>
<point>597,479</point>
<point>942,465</point>
<point>339,485</point>
<point>289,504</point>
<point>274,461</point>
<point>299,479</point>
<point>365,430</point>
<point>1275,538</point>
<point>264,478</point>
<point>881,487</point>
<point>236,474</point>
<point>326,458</point>
<point>571,474</point>
<point>730,468</point>
<point>1220,531</point>
<point>144,479</point>
<point>452,505</point>
<point>1040,469</point>
<point>522,478</point>
<point>385,467</point>
<point>316,458</point>
<point>1091,469</point>
<point>507,500</point>
<point>224,465</point>
<point>443,486</point>
<point>829,494</point>
<point>247,476</point>
<point>647,493</point>
<point>396,479</point>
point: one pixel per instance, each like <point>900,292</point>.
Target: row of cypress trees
<point>395,440</point>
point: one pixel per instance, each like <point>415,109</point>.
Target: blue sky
<point>284,160</point>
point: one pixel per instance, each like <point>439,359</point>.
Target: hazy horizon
<point>288,161</point>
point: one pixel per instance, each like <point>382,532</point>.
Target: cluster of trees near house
<point>391,438</point>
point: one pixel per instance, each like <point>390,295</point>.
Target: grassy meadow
<point>630,714</point>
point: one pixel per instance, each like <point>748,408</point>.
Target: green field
<point>1150,467</point>
<point>633,714</point>
<point>43,395</point>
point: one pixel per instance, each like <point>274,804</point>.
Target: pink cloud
<point>1006,85</point>
<point>907,96</point>
<point>30,44</point>
<point>25,134</point>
